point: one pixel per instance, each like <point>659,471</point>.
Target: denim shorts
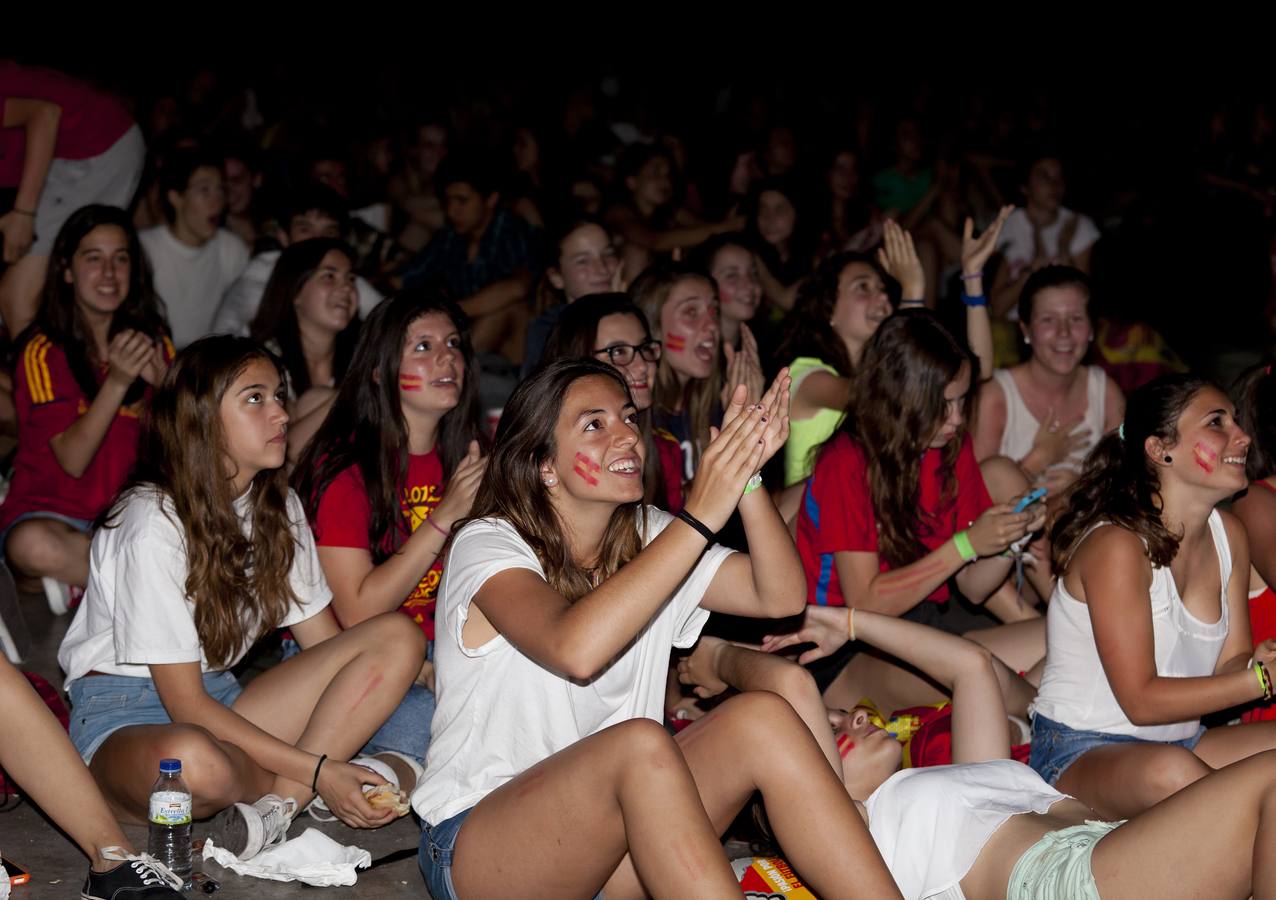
<point>103,704</point>
<point>435,855</point>
<point>78,524</point>
<point>1056,746</point>
<point>1058,865</point>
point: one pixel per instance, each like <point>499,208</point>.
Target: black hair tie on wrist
<point>315,780</point>
<point>697,525</point>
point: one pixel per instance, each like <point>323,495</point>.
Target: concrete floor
<point>58,868</point>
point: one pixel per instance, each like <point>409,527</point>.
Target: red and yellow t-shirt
<point>48,401</point>
<point>344,513</point>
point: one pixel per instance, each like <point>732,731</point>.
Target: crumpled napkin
<point>312,858</point>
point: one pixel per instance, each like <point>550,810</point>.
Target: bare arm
<point>990,420</point>
<point>974,256</point>
<point>40,119</point>
<point>498,295</point>
<point>1115,578</point>
<point>821,390</point>
<point>1257,510</point>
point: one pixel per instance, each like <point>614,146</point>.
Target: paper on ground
<point>313,858</point>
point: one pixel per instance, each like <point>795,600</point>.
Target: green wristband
<point>964,547</point>
<point>754,483</point>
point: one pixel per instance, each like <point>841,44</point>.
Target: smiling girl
<point>1148,627</point>
<point>204,552</point>
<point>86,366</point>
<point>557,629</point>
<point>392,469</point>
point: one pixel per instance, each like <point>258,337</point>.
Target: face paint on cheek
<point>675,342</point>
<point>410,382</point>
<point>585,468</point>
<point>844,745</point>
<point>1205,457</point>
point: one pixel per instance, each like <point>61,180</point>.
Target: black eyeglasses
<point>623,354</point>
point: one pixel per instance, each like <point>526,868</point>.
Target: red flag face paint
<point>586,468</point>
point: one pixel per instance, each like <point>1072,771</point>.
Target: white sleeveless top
<point>1021,426</point>
<point>1074,690</point>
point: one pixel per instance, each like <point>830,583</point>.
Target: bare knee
<point>207,770</point>
<point>752,709</point>
<point>32,549</point>
<point>641,743</point>
<point>1003,478</point>
<point>1171,770</point>
<point>394,636</point>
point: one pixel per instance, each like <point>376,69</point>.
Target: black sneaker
<point>137,876</point>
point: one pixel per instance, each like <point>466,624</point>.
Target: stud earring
<point>1027,340</point>
<point>549,481</point>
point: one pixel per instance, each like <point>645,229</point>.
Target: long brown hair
<point>1119,484</point>
<point>512,488</point>
<point>239,584</point>
<point>896,407</point>
<point>701,396</point>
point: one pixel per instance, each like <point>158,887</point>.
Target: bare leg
<point>40,757</point>
<point>814,819</point>
<point>20,291</point>
<point>561,828</point>
<point>46,547</point>
<point>1122,780</point>
<point>1227,744</point>
<point>330,699</point>
<point>1212,839</point>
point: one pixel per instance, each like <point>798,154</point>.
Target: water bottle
<point>170,817</point>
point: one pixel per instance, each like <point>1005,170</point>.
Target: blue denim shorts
<point>435,854</point>
<point>1056,746</point>
<point>103,704</point>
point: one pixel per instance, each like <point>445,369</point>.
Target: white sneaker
<point>247,830</point>
<point>58,595</point>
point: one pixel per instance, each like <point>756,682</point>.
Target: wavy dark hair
<point>1254,394</point>
<point>512,488</point>
<point>239,584</point>
<point>1120,484</point>
<point>700,398</point>
<point>277,316</point>
<point>366,428</point>
<point>575,336</point>
<point>897,405</point>
<point>60,318</point>
<point>807,331</point>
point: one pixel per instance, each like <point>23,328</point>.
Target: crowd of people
<point>579,494</point>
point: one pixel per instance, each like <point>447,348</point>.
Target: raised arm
<point>974,256</point>
<point>965,669</point>
<point>362,589</point>
<point>1114,578</point>
<point>579,639</point>
<point>898,257</point>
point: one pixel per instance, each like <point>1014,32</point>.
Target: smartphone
<point>1033,496</point>
<point>17,874</point>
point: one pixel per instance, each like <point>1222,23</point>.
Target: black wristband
<point>315,780</point>
<point>697,525</point>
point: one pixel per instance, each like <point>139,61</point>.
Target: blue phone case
<point>1030,498</point>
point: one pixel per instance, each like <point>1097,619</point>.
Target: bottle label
<point>170,808</point>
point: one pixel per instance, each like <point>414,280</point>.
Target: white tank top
<point>1074,690</point>
<point>1021,426</point>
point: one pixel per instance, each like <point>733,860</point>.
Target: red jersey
<point>345,511</point>
<point>670,453</point>
<point>91,121</point>
<point>48,401</point>
<point>837,512</point>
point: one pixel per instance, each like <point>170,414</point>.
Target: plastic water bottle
<point>170,817</point>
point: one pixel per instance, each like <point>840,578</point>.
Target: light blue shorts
<point>1057,867</point>
<point>103,704</point>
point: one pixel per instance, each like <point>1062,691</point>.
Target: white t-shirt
<point>930,824</point>
<point>243,299</point>
<point>499,712</point>
<point>135,610</point>
<point>1016,242</point>
<point>192,280</point>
